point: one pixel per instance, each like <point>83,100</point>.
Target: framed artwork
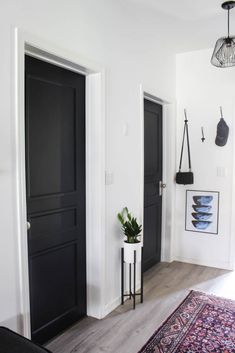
<point>202,211</point>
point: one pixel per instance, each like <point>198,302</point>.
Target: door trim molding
<point>168,168</point>
<point>27,43</point>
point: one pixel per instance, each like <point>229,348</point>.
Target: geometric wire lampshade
<point>224,52</point>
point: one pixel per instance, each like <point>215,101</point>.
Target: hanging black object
<point>203,137</point>
<point>224,52</point>
<point>222,131</point>
<point>185,178</point>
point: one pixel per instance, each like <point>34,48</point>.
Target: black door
<point>152,180</point>
<point>55,176</point>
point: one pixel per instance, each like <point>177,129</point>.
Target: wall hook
<point>203,137</point>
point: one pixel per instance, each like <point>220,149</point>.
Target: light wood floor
<point>126,330</point>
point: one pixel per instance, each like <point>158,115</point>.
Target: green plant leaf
<point>120,218</point>
<point>130,226</point>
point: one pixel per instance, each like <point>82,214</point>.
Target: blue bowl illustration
<point>201,225</point>
<point>202,200</point>
<point>202,208</point>
<point>201,216</point>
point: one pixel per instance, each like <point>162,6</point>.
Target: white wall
<point>105,32</point>
<point>202,88</point>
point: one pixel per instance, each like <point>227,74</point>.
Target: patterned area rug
<point>201,324</point>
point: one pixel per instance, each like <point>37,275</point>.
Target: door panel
<point>52,125</point>
<point>152,178</point>
<point>43,267</point>
<point>55,178</point>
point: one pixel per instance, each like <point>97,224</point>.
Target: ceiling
<point>187,10</point>
<point>191,24</point>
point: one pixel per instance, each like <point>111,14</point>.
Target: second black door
<point>55,175</point>
<point>152,183</point>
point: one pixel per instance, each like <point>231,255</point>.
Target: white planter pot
<point>129,249</point>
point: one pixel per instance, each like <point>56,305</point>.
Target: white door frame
<point>167,169</point>
<point>95,167</point>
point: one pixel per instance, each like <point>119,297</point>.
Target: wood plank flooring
<point>126,330</point>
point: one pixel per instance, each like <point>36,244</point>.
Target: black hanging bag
<point>185,178</point>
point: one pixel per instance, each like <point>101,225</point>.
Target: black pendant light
<point>224,52</point>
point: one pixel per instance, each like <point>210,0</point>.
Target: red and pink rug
<point>201,324</point>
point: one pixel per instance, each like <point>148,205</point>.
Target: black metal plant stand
<point>132,295</point>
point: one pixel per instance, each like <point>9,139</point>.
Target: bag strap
<point>189,155</point>
<point>182,147</point>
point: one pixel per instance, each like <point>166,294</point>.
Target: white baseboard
<point>112,305</point>
<point>14,323</point>
<point>224,265</point>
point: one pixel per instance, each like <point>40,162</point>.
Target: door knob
<point>161,186</point>
<point>28,225</point>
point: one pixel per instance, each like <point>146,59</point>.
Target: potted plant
<point>131,230</point>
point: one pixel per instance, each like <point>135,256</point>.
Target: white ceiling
<point>184,9</point>
<point>191,24</point>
